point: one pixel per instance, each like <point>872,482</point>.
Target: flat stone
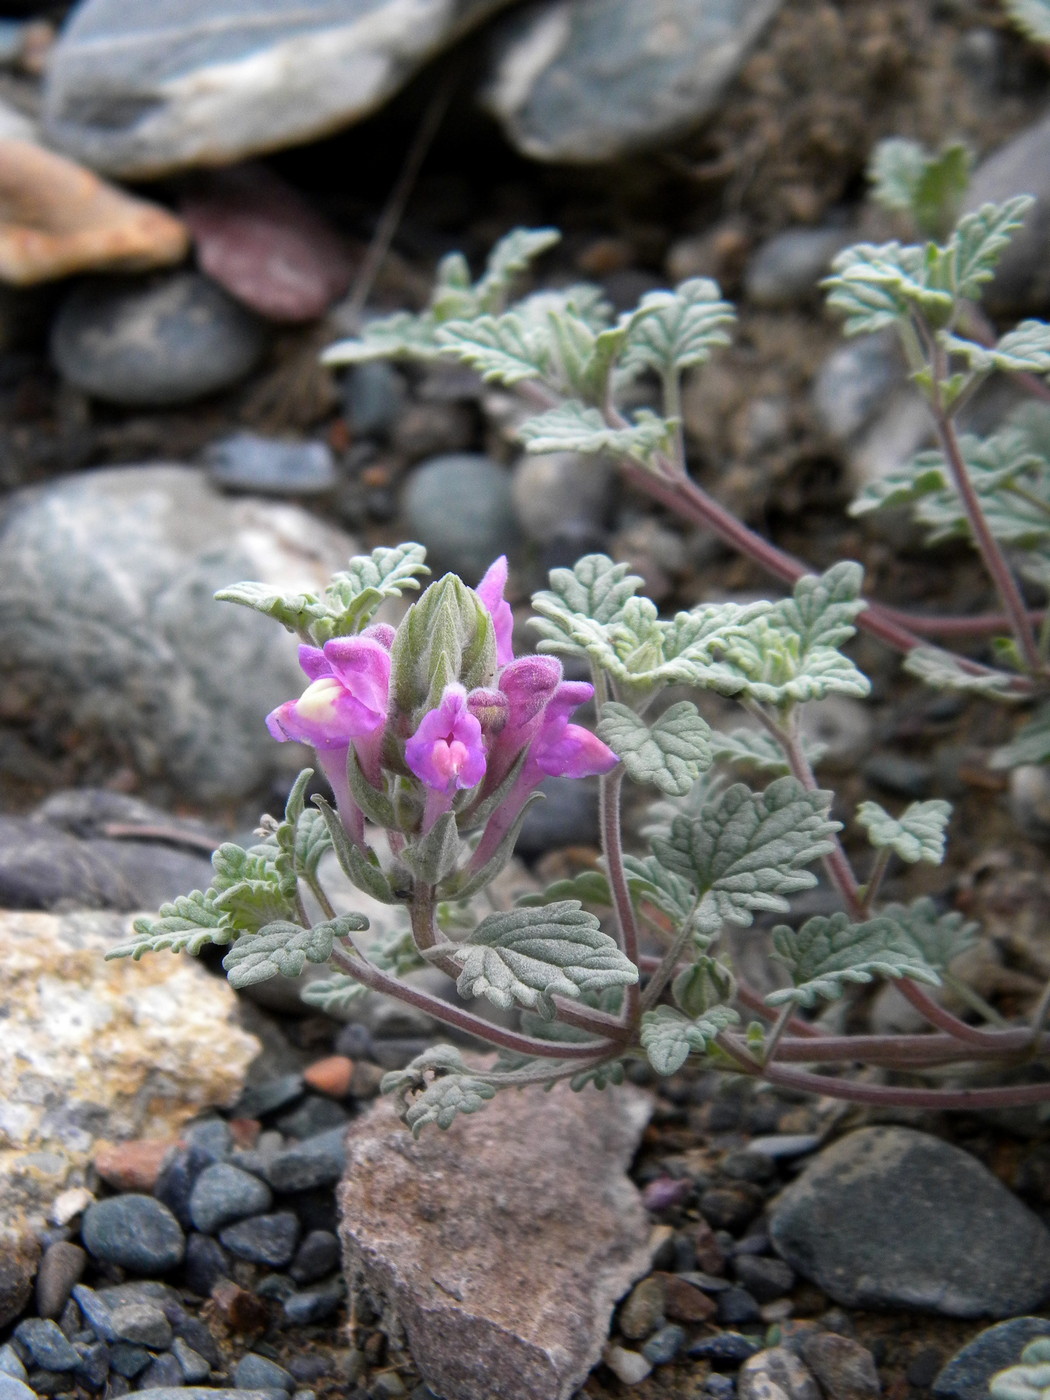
<point>154,341</point>
<point>499,1247</point>
<point>92,1051</point>
<point>966,1375</point>
<point>843,1367</point>
<point>131,557</point>
<point>269,467</point>
<point>224,1193</point>
<point>57,218</point>
<point>597,79</point>
<point>776,1374</point>
<point>459,505</point>
<point>891,1217</point>
<point>263,1239</point>
<point>137,1232</point>
<point>139,92</point>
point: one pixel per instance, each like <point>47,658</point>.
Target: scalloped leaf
<point>917,834</point>
<point>978,242</point>
<point>1024,350</point>
<point>283,949</point>
<point>504,349</point>
<point>942,671</point>
<point>928,186</point>
<point>184,925</point>
<point>668,754</point>
<point>296,611</point>
<point>434,1088</point>
<point>526,957</point>
<point>673,331</point>
<point>574,427</point>
<point>335,995</point>
<point>593,592</point>
<point>746,851</point>
<point>589,887</point>
<point>827,953</point>
<point>937,937</point>
<point>669,1038</point>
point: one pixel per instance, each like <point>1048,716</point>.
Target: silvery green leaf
<point>977,244</point>
<point>746,850</point>
<point>283,949</point>
<point>917,834</point>
<point>755,749</point>
<point>434,1087</point>
<point>435,855</point>
<point>827,953</point>
<point>573,427</point>
<point>1025,349</point>
<point>253,888</point>
<point>671,331</point>
<point>669,753</point>
<point>185,924</point>
<point>510,257</point>
<point>651,882</point>
<point>354,594</point>
<point>942,671</point>
<point>1030,1380</point>
<point>528,956</point>
<point>401,336</point>
<point>501,348</point>
<point>1031,743</point>
<point>875,286</point>
<point>895,169</point>
<point>333,995</point>
<point>395,950</point>
<point>589,887</point>
<point>593,592</point>
<point>307,842</point>
<point>703,985</point>
<point>937,938</point>
<point>928,186</point>
<point>1032,17</point>
<point>583,301</point>
<point>608,1072</point>
<point>295,611</point>
<point>360,866</point>
<point>668,1038</point>
<point>922,477</point>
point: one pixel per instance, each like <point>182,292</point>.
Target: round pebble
<point>373,397</point>
<point>737,1307</point>
<point>724,1349</point>
<point>459,505</point>
<point>255,1372</point>
<point>644,1309</point>
<point>263,1239</point>
<point>786,269</point>
<point>206,1263</point>
<point>316,1257</point>
<point>558,492</point>
<point>156,341</point>
<point>193,1366</point>
<point>312,1305</point>
<point>630,1367</point>
<point>137,1232</point>
<point>764,1279</point>
<point>663,1346</point>
<point>316,1161</point>
<point>224,1193</point>
<point>163,1371</point>
<point>248,462</point>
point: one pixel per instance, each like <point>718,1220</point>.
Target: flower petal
<point>490,591</point>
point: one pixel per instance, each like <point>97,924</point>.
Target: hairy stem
<point>665,969</point>
<point>612,848</point>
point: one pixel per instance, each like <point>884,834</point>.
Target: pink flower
<point>346,698</point>
<point>447,752</point>
<point>490,591</point>
<point>564,750</point>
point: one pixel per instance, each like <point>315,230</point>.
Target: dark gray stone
<point>137,1232</point>
<point>966,1375</point>
<point>568,816</point>
<point>598,79</point>
<point>162,1370</point>
<point>316,1257</point>
<point>206,1263</point>
<point>97,1313</point>
<point>270,467</point>
<point>140,91</point>
<point>724,1349</point>
<point>46,1344</point>
<point>764,1279</point>
<point>785,270</point>
<point>264,1239</point>
<point>314,1115</point>
<point>193,1366</point>
<point>737,1308</point>
<point>144,1323</point>
<point>312,1305</point>
<point>127,1359</point>
<point>664,1346</point>
<point>890,1217</point>
<point>151,342</point>
<point>315,1161</point>
<point>93,1367</point>
<point>200,1392</point>
<point>108,623</point>
<point>255,1372</point>
<point>273,1094</point>
<point>459,506</point>
<point>373,396</point>
<point>223,1193</point>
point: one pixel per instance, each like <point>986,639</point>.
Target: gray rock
<point>270,467</point>
<point>568,816</point>
<point>315,1161</point>
<point>844,1368</point>
<point>786,269</point>
<point>455,1234</point>
<point>13,1389</point>
<point>224,1193</point>
<point>585,81</point>
<point>312,1305</point>
<point>776,1374</point>
<point>255,1372</point>
<point>193,1366</point>
<point>144,1323</point>
<point>137,1232</point>
<point>60,1269</point>
<point>627,1366</point>
<point>663,1346</point>
<point>890,1217</point>
<point>459,506</point>
<point>200,1392</point>
<point>560,493</point>
<point>316,1257</point>
<point>854,381</point>
<point>145,90</point>
<point>163,1370</point>
<point>108,625</point>
<point>46,1344</point>
<point>966,1375</point>
<point>1021,166</point>
<point>154,341</point>
<point>11,1362</point>
<point>374,396</point>
<point>263,1239</point>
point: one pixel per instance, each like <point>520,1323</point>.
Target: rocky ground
<point>168,277</point>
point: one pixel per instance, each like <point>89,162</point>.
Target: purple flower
<point>564,750</point>
<point>490,591</point>
<point>446,751</point>
<point>346,698</point>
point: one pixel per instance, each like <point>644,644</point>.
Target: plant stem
<point>747,996</point>
<point>939,1016</point>
<point>665,968</point>
<point>612,849</point>
<point>773,1039</point>
<point>878,871</point>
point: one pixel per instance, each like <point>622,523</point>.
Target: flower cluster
<point>512,731</point>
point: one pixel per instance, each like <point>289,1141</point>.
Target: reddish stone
<point>135,1165</point>
<point>683,1302</point>
<point>243,1312</point>
<point>709,1256</point>
<point>245,1131</point>
<point>261,240</point>
<point>332,1076</point>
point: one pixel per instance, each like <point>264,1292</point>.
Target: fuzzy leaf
<point>501,348</point>
<point>354,594</point>
<point>651,882</point>
<point>1031,743</point>
<point>589,887</point>
<point>827,953</point>
<point>573,427</point>
<point>746,850</point>
<point>528,956</point>
<point>1025,349</point>
<point>757,750</point>
<point>668,1038</point>
<point>592,593</point>
<point>283,949</point>
<point>669,754</point>
<point>672,331</point>
<point>510,257</point>
<point>434,856</point>
<point>979,240</point>
<point>875,286</point>
<point>907,177</point>
<point>185,924</point>
<point>941,671</point>
<point>937,938</point>
<point>434,1087</point>
<point>295,611</point>
<point>1030,1379</point>
<point>917,834</point>
<point>401,336</point>
<point>333,995</point>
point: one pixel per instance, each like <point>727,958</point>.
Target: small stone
<point>137,1232</point>
<point>663,1346</point>
<point>162,1371</point>
<point>854,381</point>
<point>133,1166</point>
<point>312,1305</point>
<point>332,1075</point>
<point>966,1375</point>
<point>269,467</point>
<point>316,1257</point>
<point>315,1161</point>
<point>258,1100</point>
<point>193,1366</point>
<point>244,1311</point>
<point>144,1323</point>
<point>255,1372</point>
<point>684,1301</point>
<point>373,397</point>
<point>719,1387</point>
<point>568,817</point>
<point>154,342</point>
<point>558,492</point>
<point>263,1239</point>
<point>785,1146</point>
<point>956,1241</point>
<point>60,1268</point>
<point>43,1339</point>
<point>1020,284</point>
<point>764,1279</point>
<point>736,1307</point>
<point>730,1207</point>
<point>774,1373</point>
<point>224,1193</point>
<point>785,271</point>
<point>57,218</point>
<point>195,1334</point>
<point>1029,799</point>
<point>630,1367</point>
<point>93,1367</point>
<point>844,1368</point>
<point>643,1311</point>
<point>96,1312</point>
<point>128,1360</point>
<point>315,1115</point>
<point>666,1192</point>
<point>725,1349</point>
<point>460,506</point>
